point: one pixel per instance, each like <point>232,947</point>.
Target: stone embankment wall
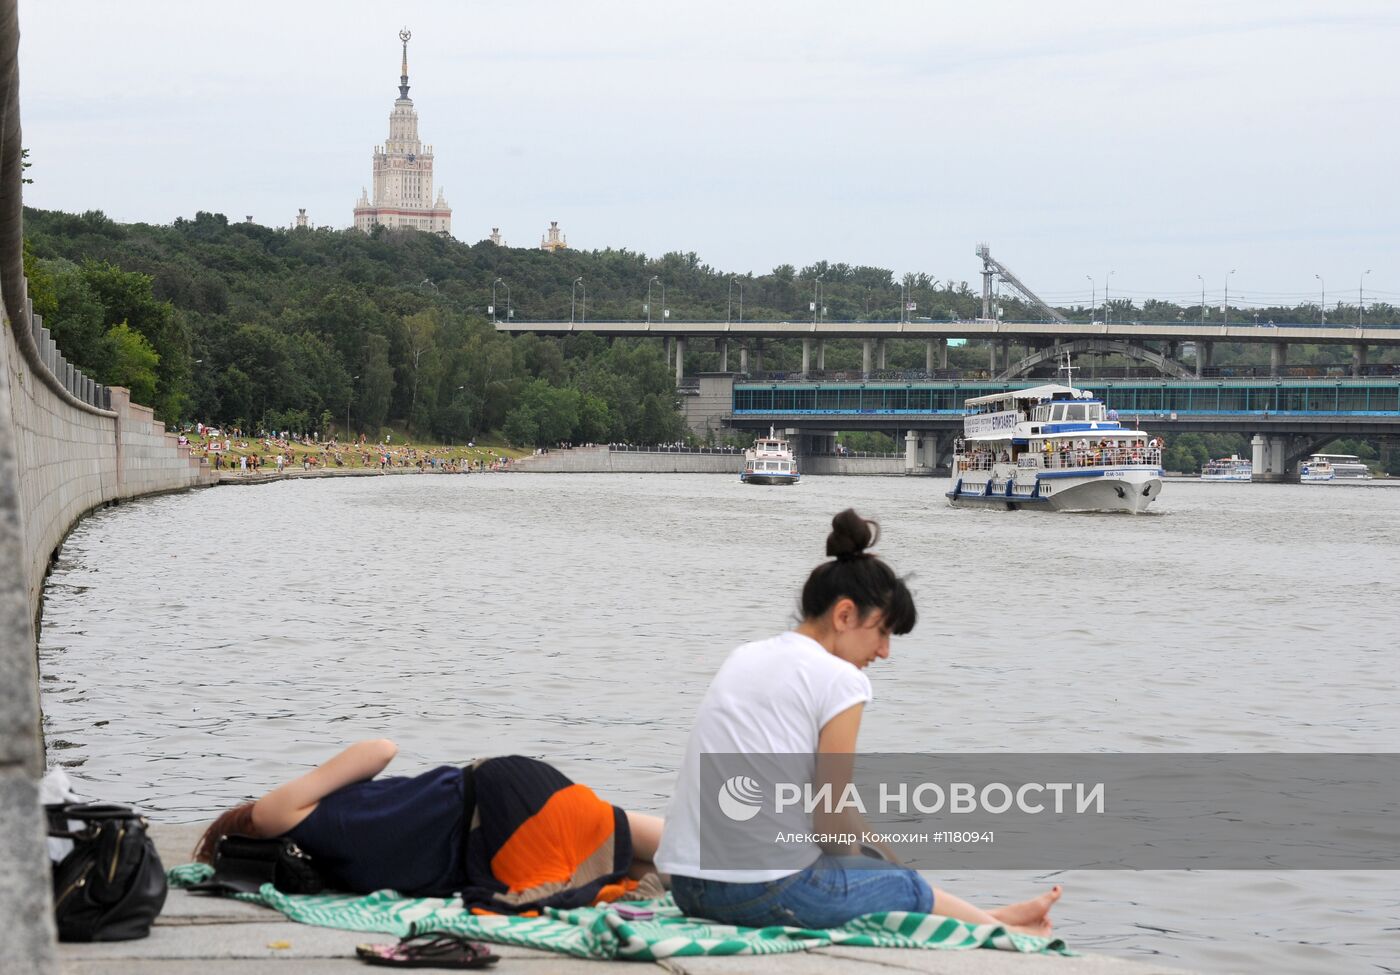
<point>601,460</point>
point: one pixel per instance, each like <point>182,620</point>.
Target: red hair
<point>238,820</point>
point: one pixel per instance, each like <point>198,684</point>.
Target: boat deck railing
<point>1070,459</point>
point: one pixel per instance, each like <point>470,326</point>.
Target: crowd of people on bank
<point>282,450</point>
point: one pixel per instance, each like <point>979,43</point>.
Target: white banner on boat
<point>984,423</point>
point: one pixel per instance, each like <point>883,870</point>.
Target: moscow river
<point>200,648</point>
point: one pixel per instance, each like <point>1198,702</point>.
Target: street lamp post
<point>654,280</point>
<point>733,279</point>
<point>1106,319</point>
<point>1202,278</point>
<point>582,303</point>
<point>493,300</point>
<point>1324,297</point>
<point>816,298</point>
<point>1227,296</point>
<point>1093,296</point>
<point>349,395</point>
<point>903,301</point>
<point>1361,297</point>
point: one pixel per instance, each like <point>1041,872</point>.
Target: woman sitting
<point>803,693</point>
<point>508,834</point>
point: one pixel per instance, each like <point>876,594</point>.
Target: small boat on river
<point>1230,468</point>
<point>1052,448</point>
<point>770,461</point>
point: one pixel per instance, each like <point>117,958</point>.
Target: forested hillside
<point>250,325</point>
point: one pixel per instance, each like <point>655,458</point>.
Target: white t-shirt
<point>772,696</point>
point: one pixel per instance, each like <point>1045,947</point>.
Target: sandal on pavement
<point>430,949</point>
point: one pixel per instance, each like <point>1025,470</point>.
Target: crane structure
<point>991,266</point>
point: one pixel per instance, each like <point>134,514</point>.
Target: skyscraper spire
<point>404,35</point>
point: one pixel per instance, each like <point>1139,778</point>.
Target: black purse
<point>111,886</point>
<point>242,864</point>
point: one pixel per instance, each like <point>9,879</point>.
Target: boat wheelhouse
<point>1055,448</point>
<point>769,461</point>
<point>1232,468</point>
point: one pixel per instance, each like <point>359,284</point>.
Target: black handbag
<point>242,864</point>
<point>111,886</point>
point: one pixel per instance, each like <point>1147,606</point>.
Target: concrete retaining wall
<point>877,466</point>
<point>601,460</point>
<point>60,457</point>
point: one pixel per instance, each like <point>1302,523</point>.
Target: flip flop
<point>429,949</point>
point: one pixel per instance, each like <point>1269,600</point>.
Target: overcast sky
<point>1075,138</point>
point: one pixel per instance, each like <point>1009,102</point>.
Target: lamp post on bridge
<point>647,309</point>
<point>1361,297</point>
<point>1106,313</point>
<point>1324,297</point>
<point>904,301</point>
<point>816,297</point>
<point>1226,306</point>
<point>583,305</point>
<point>1202,278</point>
<point>1093,296</point>
<point>729,316</point>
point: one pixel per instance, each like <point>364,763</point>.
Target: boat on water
<point>1053,448</point>
<point>1335,467</point>
<point>770,461</point>
<point>1230,468</point>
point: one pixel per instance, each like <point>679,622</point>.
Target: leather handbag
<point>111,885</point>
<point>242,864</point>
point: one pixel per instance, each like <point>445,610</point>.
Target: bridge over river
<point>1015,348</point>
<point>1287,419</point>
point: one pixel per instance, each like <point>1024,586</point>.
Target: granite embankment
<point>61,456</point>
<point>606,460</point>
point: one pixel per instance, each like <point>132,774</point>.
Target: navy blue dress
<point>398,832</point>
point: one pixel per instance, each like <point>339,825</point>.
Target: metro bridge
<point>1158,344</point>
<point>1287,419</point>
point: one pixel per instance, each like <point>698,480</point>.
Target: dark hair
<point>236,821</point>
<point>859,576</point>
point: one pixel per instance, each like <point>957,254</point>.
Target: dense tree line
<point>244,324</point>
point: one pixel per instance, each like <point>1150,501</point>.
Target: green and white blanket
<point>600,932</point>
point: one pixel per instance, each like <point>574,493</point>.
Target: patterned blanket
<point>623,931</point>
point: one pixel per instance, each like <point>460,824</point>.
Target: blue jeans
<point>830,892</point>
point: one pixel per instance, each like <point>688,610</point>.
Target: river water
<point>200,648</point>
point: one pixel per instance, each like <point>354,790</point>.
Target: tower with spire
<point>403,173</point>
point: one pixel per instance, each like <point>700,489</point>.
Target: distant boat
<point>1335,467</point>
<point>1230,468</point>
<point>770,461</point>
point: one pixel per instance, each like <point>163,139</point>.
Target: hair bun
<point>851,535</point>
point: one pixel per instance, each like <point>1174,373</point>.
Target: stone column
<point>744,359</point>
<point>1358,358</point>
<point>723,355</point>
<point>821,355</point>
<point>930,449</point>
<point>992,356</point>
<point>911,451</point>
<point>1005,354</point>
<point>1260,456</point>
<point>680,359</point>
<point>865,359</point>
<point>942,353</point>
<point>1278,357</point>
<point>806,356</point>
<point>928,356</point>
<point>1204,351</point>
<point>758,355</point>
<point>880,344</point>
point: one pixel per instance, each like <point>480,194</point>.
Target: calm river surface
<point>200,648</point>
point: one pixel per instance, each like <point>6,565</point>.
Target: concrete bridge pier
<point>992,357</point>
<point>1358,358</point>
<point>743,358</point>
<point>821,355</point>
<point>920,452</point>
<point>1278,357</point>
<point>1204,351</point>
<point>667,343</point>
<point>722,347</point>
<point>758,355</point>
<point>806,356</point>
<point>865,359</point>
<point>680,359</point>
<point>880,345</point>
<point>1270,458</point>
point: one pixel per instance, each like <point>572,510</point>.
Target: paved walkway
<point>218,936</point>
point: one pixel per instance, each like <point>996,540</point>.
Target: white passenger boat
<point>770,461</point>
<point>1230,468</point>
<point>1335,467</point>
<point>1053,448</point>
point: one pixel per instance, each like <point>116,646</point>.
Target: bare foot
<point>1032,916</point>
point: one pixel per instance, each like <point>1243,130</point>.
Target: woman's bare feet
<point>1032,916</point>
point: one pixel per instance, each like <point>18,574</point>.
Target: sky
<point>1082,141</point>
